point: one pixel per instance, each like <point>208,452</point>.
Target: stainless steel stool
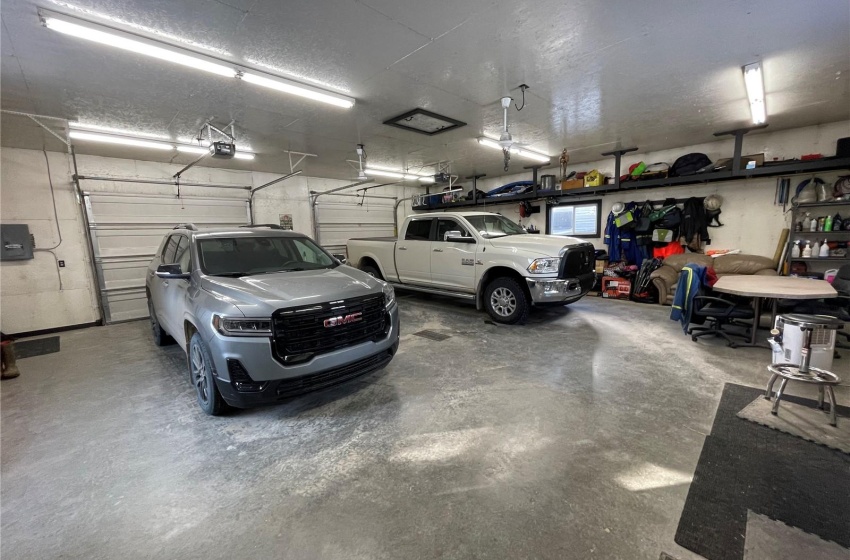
<point>825,380</point>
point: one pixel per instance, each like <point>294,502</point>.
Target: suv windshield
<point>494,225</point>
<point>244,256</point>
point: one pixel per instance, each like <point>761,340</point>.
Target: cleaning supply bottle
<point>824,249</point>
<point>807,251</point>
<point>815,249</point>
<point>795,250</point>
<point>813,225</point>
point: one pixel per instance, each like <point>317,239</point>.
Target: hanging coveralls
<point>622,243</point>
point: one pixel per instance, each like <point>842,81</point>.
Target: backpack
<point>689,164</point>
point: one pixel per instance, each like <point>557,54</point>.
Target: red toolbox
<point>617,288</point>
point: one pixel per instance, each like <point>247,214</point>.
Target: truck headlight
<point>389,294</point>
<point>548,265</point>
<point>242,326</point>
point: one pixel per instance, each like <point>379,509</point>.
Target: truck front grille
<point>303,332</point>
<point>577,261</point>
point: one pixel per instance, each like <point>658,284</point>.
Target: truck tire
<point>506,301</point>
<point>371,271</point>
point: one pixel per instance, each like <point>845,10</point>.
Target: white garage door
<point>126,230</point>
<point>339,218</point>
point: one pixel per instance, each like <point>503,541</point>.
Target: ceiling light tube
<point>399,175</point>
<point>754,82</point>
<point>130,42</point>
<point>303,90</point>
<point>96,137</point>
<point>522,152</point>
<point>382,173</point>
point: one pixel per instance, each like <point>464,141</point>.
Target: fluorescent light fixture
<point>243,155</point>
<point>200,150</point>
<point>141,45</point>
<point>522,152</point>
<point>129,42</point>
<point>107,129</point>
<point>303,90</point>
<point>379,172</point>
<point>96,137</point>
<point>755,91</point>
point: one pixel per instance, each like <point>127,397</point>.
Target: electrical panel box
<point>15,242</point>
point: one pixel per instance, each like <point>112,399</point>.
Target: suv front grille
<point>303,332</point>
<point>578,261</point>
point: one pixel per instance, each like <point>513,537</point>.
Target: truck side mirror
<point>340,257</point>
<point>172,271</point>
<point>455,236</point>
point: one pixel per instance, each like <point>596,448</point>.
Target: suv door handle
<point>165,282</point>
<point>438,250</point>
<point>402,248</point>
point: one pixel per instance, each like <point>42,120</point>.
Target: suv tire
<point>506,301</point>
<point>201,373</point>
<point>160,337</point>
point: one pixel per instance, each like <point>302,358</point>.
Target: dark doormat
<point>36,347</point>
<point>746,466</point>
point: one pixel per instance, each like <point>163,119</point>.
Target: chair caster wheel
<point>694,338</point>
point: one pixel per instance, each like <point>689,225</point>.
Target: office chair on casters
<point>717,312</point>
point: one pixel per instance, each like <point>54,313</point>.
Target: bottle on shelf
<point>815,249</point>
<point>821,222</point>
<point>813,225</point>
<point>795,250</point>
<point>824,249</point>
<point>807,250</point>
<point>827,223</point>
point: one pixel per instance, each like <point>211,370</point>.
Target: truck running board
<point>435,291</point>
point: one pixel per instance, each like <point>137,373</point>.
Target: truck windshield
<point>246,256</point>
<point>494,225</point>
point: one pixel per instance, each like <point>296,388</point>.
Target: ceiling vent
<point>424,122</point>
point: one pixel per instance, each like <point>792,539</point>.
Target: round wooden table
<point>772,287</point>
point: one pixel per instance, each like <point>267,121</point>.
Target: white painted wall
<point>752,223</point>
<point>30,296</point>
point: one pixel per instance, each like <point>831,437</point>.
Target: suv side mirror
<point>340,257</point>
<point>454,236</point>
<point>172,271</point>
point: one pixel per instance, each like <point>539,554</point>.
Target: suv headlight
<point>242,326</point>
<point>548,265</point>
<point>389,294</point>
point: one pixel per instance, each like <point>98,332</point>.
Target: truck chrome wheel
<point>503,301</point>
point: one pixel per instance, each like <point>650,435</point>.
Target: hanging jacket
<point>694,228</point>
<point>691,280</point>
<point>622,245</point>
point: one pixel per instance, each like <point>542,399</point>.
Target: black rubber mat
<point>744,466</point>
<point>36,347</point>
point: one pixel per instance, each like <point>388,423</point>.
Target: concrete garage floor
<point>575,436</point>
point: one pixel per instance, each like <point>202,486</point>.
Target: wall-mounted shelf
<point>774,170</point>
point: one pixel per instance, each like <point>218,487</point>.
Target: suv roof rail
<point>190,226</point>
<point>270,226</point>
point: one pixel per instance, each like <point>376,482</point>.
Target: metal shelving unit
<point>818,209</point>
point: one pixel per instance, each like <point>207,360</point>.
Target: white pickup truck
<point>481,256</point>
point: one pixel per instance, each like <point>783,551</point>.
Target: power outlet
<point>61,264</point>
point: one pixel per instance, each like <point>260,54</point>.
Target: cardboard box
<point>600,265</point>
<point>616,288</point>
<point>572,184</point>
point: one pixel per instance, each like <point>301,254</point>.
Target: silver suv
<point>265,314</point>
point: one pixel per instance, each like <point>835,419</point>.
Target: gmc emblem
<point>343,320</point>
